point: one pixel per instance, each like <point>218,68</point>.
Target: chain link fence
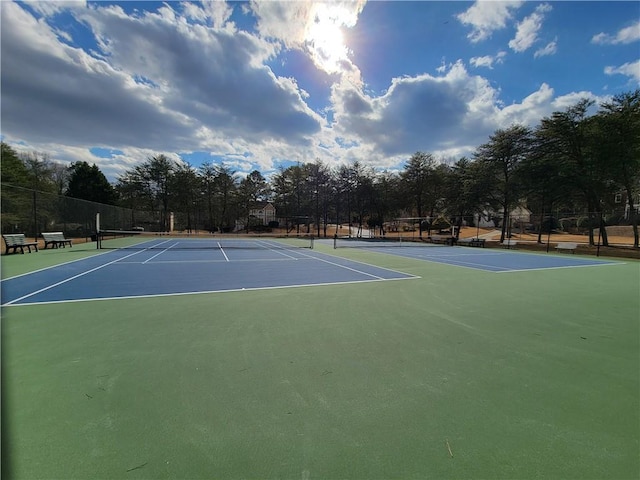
<point>613,229</point>
<point>32,212</point>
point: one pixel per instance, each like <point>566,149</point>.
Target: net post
<point>311,244</point>
<point>335,241</point>
<point>98,230</point>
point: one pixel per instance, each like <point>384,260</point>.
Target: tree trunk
<point>634,216</point>
<point>540,228</point>
<point>505,222</point>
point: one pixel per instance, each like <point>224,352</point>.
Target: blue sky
<point>260,85</point>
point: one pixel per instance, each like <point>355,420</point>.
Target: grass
<point>460,374</point>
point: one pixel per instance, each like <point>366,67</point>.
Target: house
<point>265,212</point>
<point>623,206</point>
<point>519,215</point>
<point>260,213</point>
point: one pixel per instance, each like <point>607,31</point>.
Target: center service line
<point>222,250</point>
<point>158,254</point>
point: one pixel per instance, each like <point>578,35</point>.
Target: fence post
<point>35,216</point>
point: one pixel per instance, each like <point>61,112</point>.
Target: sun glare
<point>324,37</point>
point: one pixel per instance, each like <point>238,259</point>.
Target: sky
<point>263,85</point>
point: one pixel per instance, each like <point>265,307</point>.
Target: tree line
<point>572,162</point>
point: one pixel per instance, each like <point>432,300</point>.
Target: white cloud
<point>563,102</point>
<point>488,61</point>
<point>283,21</point>
<point>530,110</point>
<point>630,69</point>
<point>626,35</point>
<point>527,32</point>
<point>485,17</point>
<point>216,14</point>
<point>162,83</point>
<point>184,78</point>
<point>448,115</point>
<point>314,28</point>
<point>418,113</point>
<point>550,49</point>
<point>49,8</point>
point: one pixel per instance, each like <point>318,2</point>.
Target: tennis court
<point>188,266</point>
<point>430,362</point>
<point>491,260</point>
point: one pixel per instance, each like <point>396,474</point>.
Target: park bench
<point>509,243</point>
<point>55,239</point>
<point>447,240</point>
<point>471,242</point>
<point>567,246</point>
<point>15,241</point>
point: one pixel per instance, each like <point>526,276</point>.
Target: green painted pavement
<point>520,375</point>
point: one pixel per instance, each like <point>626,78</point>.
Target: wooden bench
<point>55,239</point>
<point>447,240</point>
<point>509,243</point>
<point>471,242</point>
<point>567,246</point>
<point>15,241</point>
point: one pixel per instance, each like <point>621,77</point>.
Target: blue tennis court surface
<point>487,259</point>
<point>169,268</point>
<point>171,271</point>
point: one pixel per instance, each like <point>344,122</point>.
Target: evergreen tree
<point>12,169</point>
<point>87,182</point>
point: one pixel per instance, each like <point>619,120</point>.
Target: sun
<point>324,37</point>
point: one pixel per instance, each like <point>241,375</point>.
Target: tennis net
<point>120,239</point>
<point>378,242</point>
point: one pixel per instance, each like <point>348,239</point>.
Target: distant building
<point>264,211</point>
<point>494,219</point>
<point>623,206</point>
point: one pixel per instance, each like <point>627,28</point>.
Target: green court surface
<point>458,374</point>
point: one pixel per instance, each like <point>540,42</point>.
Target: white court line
<point>270,247</point>
<point>58,265</point>
<point>308,256</point>
<point>69,279</point>
<point>488,254</point>
<point>455,263</point>
<point>160,253</point>
<point>356,261</point>
<point>246,260</point>
<point>563,267</point>
<point>498,269</point>
<point>222,250</point>
<point>487,267</point>
<point>369,264</point>
<point>159,295</point>
<point>429,258</point>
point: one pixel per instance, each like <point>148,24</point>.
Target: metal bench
<point>55,239</point>
<point>447,240</point>
<point>15,241</point>
<point>567,246</point>
<point>471,242</point>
